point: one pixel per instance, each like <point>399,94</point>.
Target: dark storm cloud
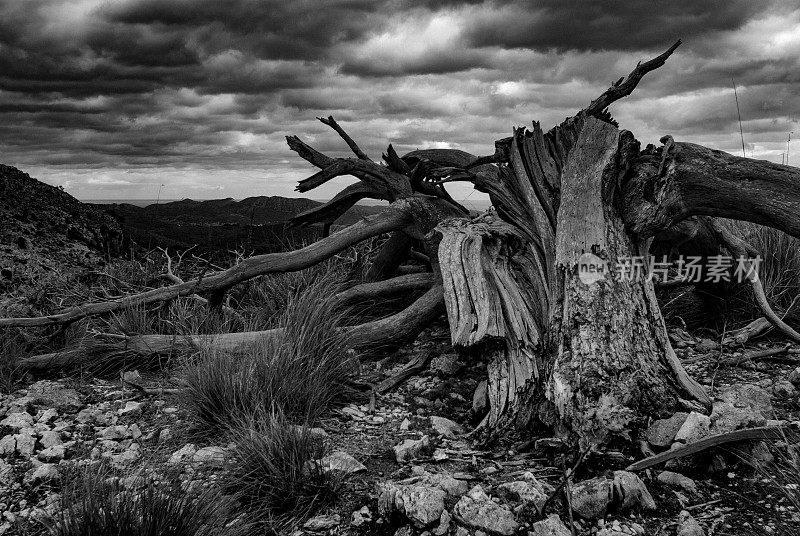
<point>177,90</point>
<point>605,24</point>
<point>268,28</point>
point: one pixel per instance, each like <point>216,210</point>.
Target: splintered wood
<point>489,301</point>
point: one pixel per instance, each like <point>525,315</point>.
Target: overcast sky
<point>112,98</point>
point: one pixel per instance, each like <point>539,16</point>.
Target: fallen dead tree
<point>590,360</point>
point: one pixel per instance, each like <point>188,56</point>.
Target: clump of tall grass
<point>94,502</point>
<point>300,370</point>
<point>274,473</point>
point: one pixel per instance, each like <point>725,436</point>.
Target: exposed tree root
<point>764,432</point>
<point>391,330</point>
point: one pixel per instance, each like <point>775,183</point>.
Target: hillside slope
<point>44,229</point>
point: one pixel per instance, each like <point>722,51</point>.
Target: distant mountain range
<point>260,210</point>
<point>256,223</point>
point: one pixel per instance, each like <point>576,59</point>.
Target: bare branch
<point>622,88</point>
<point>308,153</point>
<point>333,209</point>
<point>386,183</point>
<point>397,285</point>
<point>331,122</point>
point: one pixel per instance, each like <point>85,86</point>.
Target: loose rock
<point>422,504</point>
<point>17,421</point>
<point>677,480</point>
<point>662,432</point>
<point>688,526</point>
<point>410,448</point>
<point>478,511</point>
<point>552,526</point>
<point>445,427</point>
<point>591,498</point>
<point>341,462</point>
<point>695,427</point>
<point>44,474</point>
<point>322,523</point>
<point>480,398</point>
<point>744,395</point>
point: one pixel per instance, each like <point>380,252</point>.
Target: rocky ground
<point>409,465</point>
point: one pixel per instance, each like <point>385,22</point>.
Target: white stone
<point>50,439</point>
<point>131,409</point>
<point>44,474</point>
<point>695,427</point>
<point>678,480</point>
<point>688,526</point>
<point>213,456</point>
<point>341,462</point>
<point>322,523</point>
<point>552,526</point>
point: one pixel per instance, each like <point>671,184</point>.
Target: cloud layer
<point>112,98</point>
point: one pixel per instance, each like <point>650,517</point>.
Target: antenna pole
<point>736,96</point>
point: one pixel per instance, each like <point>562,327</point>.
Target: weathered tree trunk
<point>588,358</point>
<point>612,360</point>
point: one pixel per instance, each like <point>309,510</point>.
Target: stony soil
<point>410,465</point>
